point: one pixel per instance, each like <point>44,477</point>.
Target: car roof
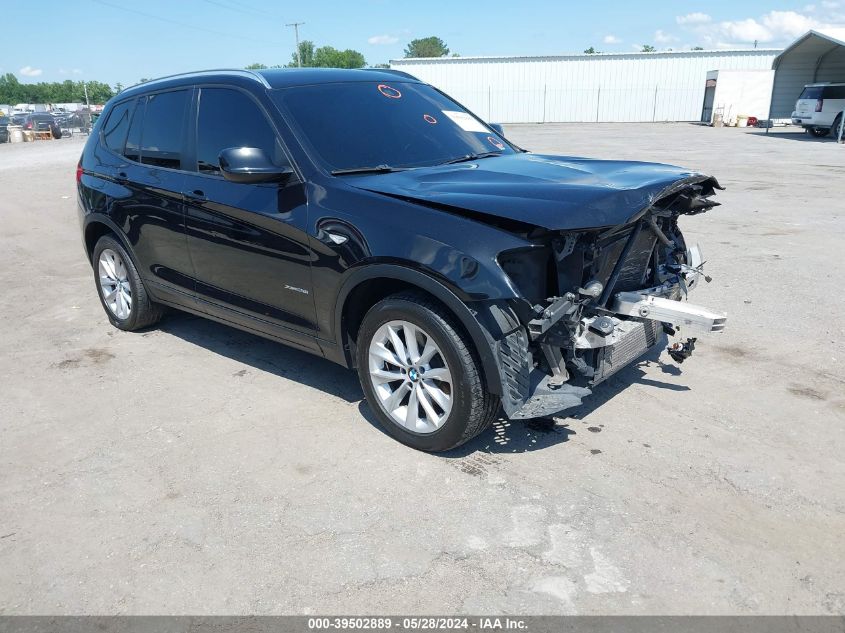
<point>824,84</point>
<point>271,78</point>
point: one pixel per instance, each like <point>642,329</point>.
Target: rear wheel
<point>121,290</point>
<point>834,131</point>
<point>421,375</point>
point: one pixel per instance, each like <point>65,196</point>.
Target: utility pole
<point>85,88</point>
<point>296,26</point>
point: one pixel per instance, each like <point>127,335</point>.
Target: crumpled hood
<point>552,192</point>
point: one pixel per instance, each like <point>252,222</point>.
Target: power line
<point>184,25</point>
<point>241,8</point>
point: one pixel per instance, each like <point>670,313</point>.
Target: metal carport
<point>814,57</point>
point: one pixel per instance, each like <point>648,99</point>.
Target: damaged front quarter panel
<point>616,291</point>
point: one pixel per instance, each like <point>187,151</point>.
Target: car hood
<point>552,192</point>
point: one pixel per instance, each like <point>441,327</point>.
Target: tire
<point>834,130</point>
<point>471,408</point>
<point>818,132</point>
<point>140,311</point>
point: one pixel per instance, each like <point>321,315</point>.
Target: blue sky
<point>122,41</point>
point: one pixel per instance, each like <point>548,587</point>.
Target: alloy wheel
<point>114,284</point>
<point>410,377</point>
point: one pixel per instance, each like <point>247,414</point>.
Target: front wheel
<point>421,375</point>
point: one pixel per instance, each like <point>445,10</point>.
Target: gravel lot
<point>197,469</point>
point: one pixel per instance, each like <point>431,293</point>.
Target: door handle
<point>121,176</point>
<point>196,195</point>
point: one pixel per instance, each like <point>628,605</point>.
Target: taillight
<point>819,104</point>
<point>79,171</point>
<point>28,126</point>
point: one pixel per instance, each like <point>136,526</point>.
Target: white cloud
<point>664,38</point>
<point>693,18</point>
<point>76,71</point>
<point>775,28</point>
<point>29,71</point>
<point>382,39</point>
<point>611,39</point>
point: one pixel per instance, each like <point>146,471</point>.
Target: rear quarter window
<point>834,92</point>
<point>811,92</point>
<point>117,125</point>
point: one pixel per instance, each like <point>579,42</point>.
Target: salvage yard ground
<point>197,469</point>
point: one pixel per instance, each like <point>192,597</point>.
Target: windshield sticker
<point>429,119</point>
<point>465,121</point>
<point>389,91</point>
<point>496,142</point>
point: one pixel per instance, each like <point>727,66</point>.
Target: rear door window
<point>163,133</point>
<point>811,92</point>
<point>117,125</point>
<point>230,118</point>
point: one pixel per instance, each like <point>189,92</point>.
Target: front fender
<point>485,322</point>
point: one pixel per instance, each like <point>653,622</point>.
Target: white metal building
<point>662,86</point>
<point>733,94</point>
<point>815,57</point>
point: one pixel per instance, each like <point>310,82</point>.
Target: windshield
<point>368,124</point>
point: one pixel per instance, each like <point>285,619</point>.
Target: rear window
<point>811,92</point>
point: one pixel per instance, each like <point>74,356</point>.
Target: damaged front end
<point>598,299</point>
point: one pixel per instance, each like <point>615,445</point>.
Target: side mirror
<point>251,165</point>
<point>498,129</point>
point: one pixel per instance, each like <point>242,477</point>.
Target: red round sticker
<point>496,142</point>
<point>429,119</point>
<point>389,91</point>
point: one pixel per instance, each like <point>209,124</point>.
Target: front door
<point>247,242</point>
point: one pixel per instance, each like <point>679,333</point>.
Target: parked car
<point>366,217</point>
<point>819,108</point>
<point>39,122</point>
<point>4,130</point>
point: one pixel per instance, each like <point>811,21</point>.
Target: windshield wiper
<point>469,157</point>
<point>378,169</point>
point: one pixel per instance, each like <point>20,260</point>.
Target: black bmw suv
<point>366,217</point>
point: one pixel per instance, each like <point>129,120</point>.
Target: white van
<point>819,108</point>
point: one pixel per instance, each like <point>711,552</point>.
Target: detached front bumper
<point>611,340</point>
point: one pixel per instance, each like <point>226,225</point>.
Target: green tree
<point>648,48</point>
<point>255,66</point>
<point>330,57</point>
<point>306,55</point>
<point>143,80</point>
<point>118,88</point>
<point>591,51</point>
<point>12,91</point>
<point>427,47</point>
<point>698,48</point>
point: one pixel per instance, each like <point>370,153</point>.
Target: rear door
<point>146,143</point>
<point>248,242</point>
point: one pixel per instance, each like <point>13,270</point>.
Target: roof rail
<point>199,73</point>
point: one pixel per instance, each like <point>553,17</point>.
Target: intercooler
<point>634,339</point>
